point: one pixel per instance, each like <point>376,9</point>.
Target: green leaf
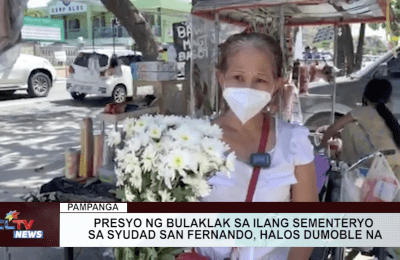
<point>119,253</point>
<point>151,253</point>
<point>120,194</point>
<point>146,181</point>
<point>180,193</point>
<point>128,254</point>
<point>172,250</point>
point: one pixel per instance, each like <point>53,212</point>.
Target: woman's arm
<point>300,253</point>
<point>339,124</point>
<point>305,190</point>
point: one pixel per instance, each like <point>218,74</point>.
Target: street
<point>34,134</point>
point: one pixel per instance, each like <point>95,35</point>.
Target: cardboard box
<point>154,66</point>
<point>170,66</point>
<point>153,76</point>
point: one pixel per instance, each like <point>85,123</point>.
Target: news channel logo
<point>21,228</point>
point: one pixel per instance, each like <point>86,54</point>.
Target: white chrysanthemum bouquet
<point>168,158</point>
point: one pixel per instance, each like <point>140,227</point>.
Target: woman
<point>369,128</point>
<point>250,73</point>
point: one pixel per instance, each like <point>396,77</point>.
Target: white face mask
<point>246,102</point>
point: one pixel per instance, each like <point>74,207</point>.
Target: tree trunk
<point>136,25</point>
<point>340,52</point>
<point>348,48</point>
<point>360,49</point>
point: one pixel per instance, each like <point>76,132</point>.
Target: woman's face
<point>250,68</point>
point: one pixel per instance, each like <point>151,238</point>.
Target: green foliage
<point>374,26</point>
<point>374,45</point>
<point>120,194</point>
<point>180,193</point>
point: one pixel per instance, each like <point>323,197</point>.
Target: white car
<point>101,73</point>
<point>31,73</point>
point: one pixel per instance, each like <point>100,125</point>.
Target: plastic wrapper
<point>303,78</point>
<point>86,159</point>
<point>376,184</point>
<point>380,184</point>
<point>98,141</point>
<point>72,160</point>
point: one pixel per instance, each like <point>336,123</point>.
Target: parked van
<point>103,73</point>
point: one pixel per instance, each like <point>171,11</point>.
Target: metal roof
<point>297,12</point>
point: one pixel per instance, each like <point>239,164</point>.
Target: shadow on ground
<point>33,141</point>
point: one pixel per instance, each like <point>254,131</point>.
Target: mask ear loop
<point>267,108</point>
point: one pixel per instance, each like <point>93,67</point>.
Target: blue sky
<point>38,3</point>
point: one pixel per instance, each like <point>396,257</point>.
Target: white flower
<point>229,164</point>
<point>168,174</point>
<point>213,131</point>
<point>129,124</point>
<point>120,176</point>
<point>140,125</point>
<point>166,144</point>
<point>155,131</point>
<point>159,119</point>
<point>230,161</point>
<point>186,136</point>
<point>114,138</point>
<point>129,195</point>
<point>179,160</point>
<point>199,185</point>
<point>150,119</point>
<point>172,120</point>
<point>149,196</point>
<point>132,165</point>
<point>120,155</point>
<point>166,196</point>
<point>213,147</point>
<point>144,138</point>
<point>148,158</point>
<point>204,163</point>
<point>134,144</point>
<point>191,199</point>
<point>136,181</point>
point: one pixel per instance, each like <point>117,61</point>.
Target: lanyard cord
<point>256,170</point>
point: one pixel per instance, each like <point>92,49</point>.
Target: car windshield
<point>83,59</point>
<point>373,65</point>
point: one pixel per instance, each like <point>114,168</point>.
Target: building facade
<point>90,23</point>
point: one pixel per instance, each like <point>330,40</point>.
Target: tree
<point>346,57</point>
<point>136,25</point>
<point>394,25</point>
<point>374,45</point>
<point>34,13</point>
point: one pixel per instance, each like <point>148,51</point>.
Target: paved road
<point>34,133</point>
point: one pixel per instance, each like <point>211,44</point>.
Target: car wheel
<point>7,93</point>
<point>119,94</point>
<point>78,96</point>
<point>39,85</point>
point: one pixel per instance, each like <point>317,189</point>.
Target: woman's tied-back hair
<point>260,41</point>
<point>378,91</point>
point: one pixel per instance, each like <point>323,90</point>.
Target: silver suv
<point>317,111</point>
